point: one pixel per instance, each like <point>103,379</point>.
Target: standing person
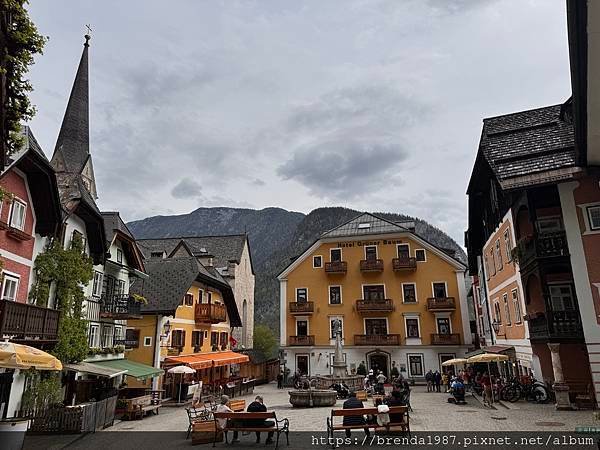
<point>258,406</point>
<point>429,380</point>
<point>280,380</point>
<point>437,380</point>
<point>486,383</point>
<point>353,403</point>
<point>445,381</point>
<point>381,379</point>
<point>223,408</point>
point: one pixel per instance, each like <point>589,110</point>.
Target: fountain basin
<point>302,398</point>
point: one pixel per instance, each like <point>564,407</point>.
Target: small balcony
<point>120,307</point>
<point>28,322</point>
<point>336,267</point>
<point>302,307</point>
<point>374,306</point>
<point>555,325</point>
<point>376,339</point>
<point>441,304</point>
<point>210,313</point>
<point>445,339</point>
<point>541,246</point>
<point>19,235</point>
<point>127,343</point>
<point>404,264</point>
<point>301,340</point>
<point>371,265</point>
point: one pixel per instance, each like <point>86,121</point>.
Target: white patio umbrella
<point>180,370</point>
<point>454,362</point>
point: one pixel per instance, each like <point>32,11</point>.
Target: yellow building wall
<point>434,269</point>
<point>142,354</point>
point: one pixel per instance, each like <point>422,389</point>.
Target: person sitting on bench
<point>223,408</point>
<point>258,406</point>
<point>352,403</point>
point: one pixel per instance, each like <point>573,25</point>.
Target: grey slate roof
<point>73,143</point>
<point>71,188</point>
<point>358,227</point>
<point>112,222</point>
<point>222,248</point>
<point>528,142</point>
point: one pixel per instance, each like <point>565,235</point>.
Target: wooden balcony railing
<point>371,265</point>
<point>127,343</point>
<point>376,339</point>
<point>301,340</point>
<point>445,339</point>
<point>210,313</point>
<point>401,264</point>
<point>174,351</point>
<point>541,246</point>
<point>302,307</point>
<point>555,325</point>
<point>336,267</point>
<point>441,304</point>
<point>367,305</point>
<point>28,321</point>
<point>120,307</point>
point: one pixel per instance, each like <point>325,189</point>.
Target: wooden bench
<point>137,407</point>
<point>403,425</point>
<point>236,422</point>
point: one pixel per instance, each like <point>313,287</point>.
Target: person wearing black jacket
<point>351,403</point>
<point>258,406</point>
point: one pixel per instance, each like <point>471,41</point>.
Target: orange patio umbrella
<point>19,356</point>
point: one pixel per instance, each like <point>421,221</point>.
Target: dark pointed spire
<point>73,144</point>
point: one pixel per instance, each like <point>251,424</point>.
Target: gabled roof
<point>114,227</point>
<point>222,248</point>
<point>520,145</point>
<point>362,225</point>
<point>170,279</point>
<point>113,223</point>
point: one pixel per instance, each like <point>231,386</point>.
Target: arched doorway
<point>378,360</point>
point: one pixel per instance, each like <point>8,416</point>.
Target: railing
<point>376,339</point>
<point>210,313</point>
<point>546,245</point>
<point>367,305</point>
<point>120,306</point>
<point>336,267</point>
<point>445,339</point>
<point>28,321</point>
<point>441,304</point>
<point>302,307</point>
<point>127,343</point>
<point>301,340</point>
<point>174,351</point>
<point>371,265</point>
<point>556,324</point>
<point>405,263</point>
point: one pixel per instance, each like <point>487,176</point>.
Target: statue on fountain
<point>338,365</point>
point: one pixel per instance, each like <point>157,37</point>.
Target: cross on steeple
<point>88,35</point>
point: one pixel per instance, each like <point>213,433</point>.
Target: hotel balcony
<point>301,307</point>
<point>301,340</point>
<point>376,339</point>
<point>441,304</point>
<point>541,247</point>
<point>120,307</point>
<point>336,267</point>
<point>210,313</point>
<point>445,339</point>
<point>555,325</point>
<point>404,264</point>
<point>28,322</point>
<point>374,306</point>
<point>371,265</point>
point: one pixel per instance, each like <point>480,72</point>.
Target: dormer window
<point>156,255</point>
<point>364,225</point>
<point>119,256</point>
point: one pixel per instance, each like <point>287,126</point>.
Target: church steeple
<point>72,150</point>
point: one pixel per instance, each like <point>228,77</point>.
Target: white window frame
<point>561,284</point>
<point>387,323</point>
<point>557,220</point>
<point>331,318</point>
<point>588,214</point>
<point>108,335</point>
<point>498,250</point>
<point>147,341</point>
<point>376,251</point>
<point>424,255</point>
<point>497,310</point>
<point>341,253</point>
<point>329,294</point>
<point>119,256</point>
<point>517,305</point>
<point>307,355</point>
<point>22,203</point>
<point>200,295</point>
<point>506,309</point>
<point>302,319</point>
<point>412,317</point>
<point>439,282</point>
<point>508,245</point>
<point>402,245</point>
<point>437,325</point>
<point>416,295</point>
<point>10,276</point>
<point>93,343</point>
<point>97,286</point>
<point>409,369</point>
<point>119,335</point>
<point>297,289</point>
<point>362,289</point>
<point>317,267</point>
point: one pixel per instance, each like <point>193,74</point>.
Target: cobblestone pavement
<point>431,413</point>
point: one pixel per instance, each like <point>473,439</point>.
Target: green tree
<point>265,340</point>
<point>19,42</point>
<point>68,270</point>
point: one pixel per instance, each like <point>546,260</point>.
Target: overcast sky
<point>370,104</point>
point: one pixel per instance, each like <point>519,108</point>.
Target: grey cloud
<point>187,188</point>
<point>257,182</point>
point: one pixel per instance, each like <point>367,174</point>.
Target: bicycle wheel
<point>512,394</point>
<point>540,394</point>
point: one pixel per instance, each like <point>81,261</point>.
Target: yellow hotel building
<point>187,320</point>
<point>401,301</point>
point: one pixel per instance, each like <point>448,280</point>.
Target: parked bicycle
<point>534,391</point>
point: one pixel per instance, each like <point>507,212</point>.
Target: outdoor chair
<point>196,415</point>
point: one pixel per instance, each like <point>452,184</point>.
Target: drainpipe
<point>156,362</point>
<point>487,300</point>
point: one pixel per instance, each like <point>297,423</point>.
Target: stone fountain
<point>323,396</point>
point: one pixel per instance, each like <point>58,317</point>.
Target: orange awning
<point>199,361</point>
